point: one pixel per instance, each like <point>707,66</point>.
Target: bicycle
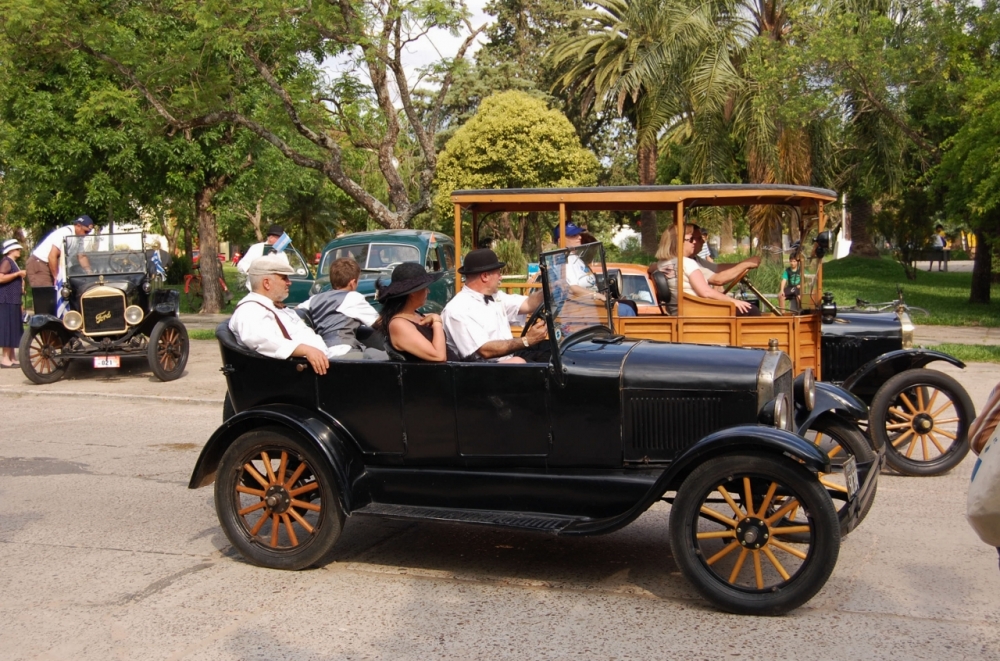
<point>898,305</point>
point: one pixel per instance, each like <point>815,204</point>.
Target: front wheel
<point>276,500</point>
<point>731,538</point>
<point>40,355</point>
<point>840,440</point>
<point>168,349</point>
<point>922,417</point>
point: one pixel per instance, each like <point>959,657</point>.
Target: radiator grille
<point>843,355</point>
<point>660,425</point>
<point>103,314</point>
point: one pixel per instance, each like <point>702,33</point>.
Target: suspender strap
<point>284,331</point>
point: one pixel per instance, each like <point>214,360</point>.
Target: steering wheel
<point>532,318</point>
<point>125,262</point>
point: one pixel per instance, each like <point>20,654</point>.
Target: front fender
<point>758,439</point>
<point>39,321</point>
<point>867,379</point>
<point>830,399</point>
<point>326,435</point>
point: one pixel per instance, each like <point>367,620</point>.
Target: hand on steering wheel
<point>735,281</point>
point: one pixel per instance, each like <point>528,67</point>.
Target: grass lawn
<point>944,295</point>
<point>189,304</point>
<point>970,353</point>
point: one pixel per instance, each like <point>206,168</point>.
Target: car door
<point>502,411</point>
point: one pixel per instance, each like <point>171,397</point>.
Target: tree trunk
<point>727,242</point>
<point>982,268</point>
<point>208,246</point>
<point>647,177</point>
<point>861,217</point>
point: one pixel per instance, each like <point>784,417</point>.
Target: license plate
<point>851,476</point>
<point>107,361</point>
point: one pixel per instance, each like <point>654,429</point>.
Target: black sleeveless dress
<point>427,332</point>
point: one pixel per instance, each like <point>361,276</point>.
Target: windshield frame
<point>565,324</point>
<point>87,244</point>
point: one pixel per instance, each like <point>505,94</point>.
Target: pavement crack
<point>162,584</point>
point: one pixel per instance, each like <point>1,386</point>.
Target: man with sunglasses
<point>263,324</point>
<point>43,264</point>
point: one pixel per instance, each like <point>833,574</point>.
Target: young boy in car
<point>337,314</point>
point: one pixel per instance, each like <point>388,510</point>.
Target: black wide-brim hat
<point>407,278</point>
<point>481,261</point>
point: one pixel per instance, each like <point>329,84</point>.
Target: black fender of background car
<point>758,439</point>
<point>867,379</point>
<point>330,439</point>
<point>830,399</point>
<point>40,321</point>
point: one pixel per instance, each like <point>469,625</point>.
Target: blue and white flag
<point>158,264</point>
<point>283,242</point>
<point>62,304</point>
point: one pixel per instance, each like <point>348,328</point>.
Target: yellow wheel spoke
<point>935,442</point>
<point>252,492</point>
<point>255,475</point>
<point>777,565</point>
<point>302,522</point>
<point>923,443</point>
<point>267,466</point>
<point>832,485</point>
<point>718,534</point>
<point>899,413</point>
<point>940,410</point>
<point>304,505</point>
<point>899,425</point>
<point>909,404</point>
<point>930,403</point>
<point>288,528</point>
<point>788,549</point>
<point>819,437</point>
<point>789,530</point>
<point>902,438</point>
<point>259,524</point>
<point>945,421</point>
<point>748,494</point>
<point>251,508</point>
<point>295,476</point>
<point>738,566</point>
<point>756,570</point>
<point>945,433</point>
<point>312,486</point>
<point>920,398</point>
<point>718,517</point>
<point>792,502</point>
<point>834,451</point>
<point>282,466</point>
<point>909,450</point>
<point>729,499</point>
<point>725,551</point>
<point>275,527</point>
<point>767,499</point>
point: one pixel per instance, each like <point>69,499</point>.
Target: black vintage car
<point>580,445</point>
<point>114,310</point>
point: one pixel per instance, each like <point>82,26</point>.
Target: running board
<point>521,520</point>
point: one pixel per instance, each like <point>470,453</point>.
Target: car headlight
<point>805,389</point>
<point>907,328</point>
<point>775,412</point>
<point>73,320</point>
<point>133,315</point>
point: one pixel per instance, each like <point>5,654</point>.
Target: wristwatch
<point>524,341</point>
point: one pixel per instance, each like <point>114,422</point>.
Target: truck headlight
<point>133,315</point>
<point>72,320</point>
<point>805,389</point>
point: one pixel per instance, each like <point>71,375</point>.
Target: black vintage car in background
<point>114,311</point>
<point>581,445</point>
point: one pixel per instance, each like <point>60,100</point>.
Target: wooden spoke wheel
<point>168,349</point>
<point>922,417</point>
<point>276,501</point>
<point>839,440</point>
<point>731,534</point>
<point>40,355</point>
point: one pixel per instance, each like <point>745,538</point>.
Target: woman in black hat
<point>416,336</point>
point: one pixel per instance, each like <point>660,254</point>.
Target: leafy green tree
<point>514,141</point>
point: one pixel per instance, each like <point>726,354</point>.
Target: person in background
<point>791,285</point>
<point>42,267</point>
<point>418,337</point>
<point>337,314</point>
<point>938,243</point>
<point>255,251</point>
<point>707,253</point>
<point>262,324</point>
<point>11,290</point>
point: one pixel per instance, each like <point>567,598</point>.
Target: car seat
<point>662,291</point>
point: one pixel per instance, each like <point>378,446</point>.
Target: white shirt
<point>255,328</point>
<point>355,306</point>
<point>470,322</point>
<point>578,274</point>
<point>55,238</point>
<point>252,253</point>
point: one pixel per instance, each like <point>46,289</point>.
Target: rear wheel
<point>168,349</point>
<point>733,542</point>
<point>40,355</point>
<point>922,417</point>
<point>839,440</point>
<point>276,500</point>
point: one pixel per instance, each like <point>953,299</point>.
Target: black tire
<point>287,543</point>
<point>912,405</point>
<point>228,410</point>
<point>168,349</point>
<point>726,579</point>
<point>39,355</point>
<point>840,439</point>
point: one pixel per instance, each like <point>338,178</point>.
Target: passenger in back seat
<point>337,314</point>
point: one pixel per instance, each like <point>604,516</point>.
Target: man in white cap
<point>256,251</point>
<point>261,323</point>
<point>43,264</point>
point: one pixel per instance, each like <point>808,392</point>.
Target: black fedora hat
<point>407,278</point>
<point>481,261</point>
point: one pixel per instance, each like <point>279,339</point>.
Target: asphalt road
<point>105,554</point>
